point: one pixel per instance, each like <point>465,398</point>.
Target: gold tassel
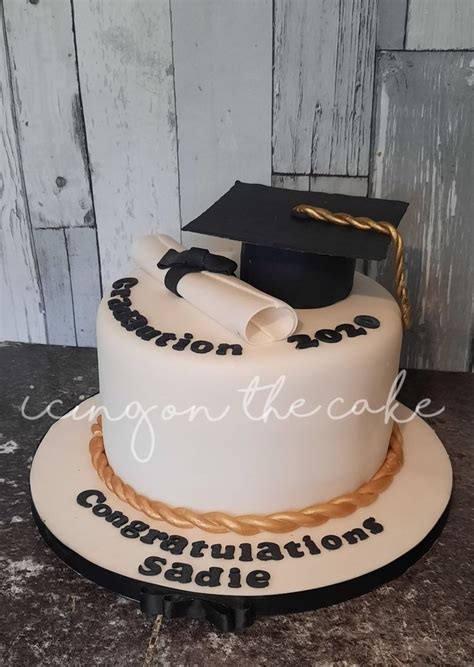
<point>366,224</point>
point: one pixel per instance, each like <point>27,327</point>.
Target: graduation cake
<point>247,452</point>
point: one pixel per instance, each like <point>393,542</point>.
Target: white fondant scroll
<point>246,311</point>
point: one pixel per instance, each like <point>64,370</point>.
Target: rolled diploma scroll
<point>253,315</point>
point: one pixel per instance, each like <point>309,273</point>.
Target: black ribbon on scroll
<point>193,261</point>
<point>233,616</point>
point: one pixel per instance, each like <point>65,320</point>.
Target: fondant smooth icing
<point>76,507</point>
<point>226,456</point>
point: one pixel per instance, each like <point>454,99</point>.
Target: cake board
<point>230,579</point>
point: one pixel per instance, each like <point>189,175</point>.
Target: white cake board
<point>411,512</point>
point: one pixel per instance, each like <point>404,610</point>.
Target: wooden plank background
<point>119,119</point>
<point>22,316</point>
<point>440,24</point>
<point>223,79</point>
<point>323,85</point>
<point>125,65</point>
<point>430,164</point>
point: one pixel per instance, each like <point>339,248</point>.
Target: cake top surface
<point>178,321</point>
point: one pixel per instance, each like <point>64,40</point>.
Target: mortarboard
<point>306,263</point>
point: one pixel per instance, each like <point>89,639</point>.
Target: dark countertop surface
<point>52,616</point>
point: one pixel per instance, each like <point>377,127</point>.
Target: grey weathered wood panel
<point>50,126</point>
<point>223,78</point>
<point>423,155</point>
<point>440,24</point>
<point>203,101</point>
<point>323,82</point>
<point>81,244</point>
<point>356,186</point>
<point>392,15</point>
<point>291,181</point>
<point>22,317</point>
<point>50,245</point>
<point>126,77</point>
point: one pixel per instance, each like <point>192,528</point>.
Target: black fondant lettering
<point>201,346</point>
<point>164,339</point>
<point>234,578</point>
<point>367,321</point>
<point>180,572</point>
<point>258,579</point>
<point>269,551</point>
<point>134,529</point>
<point>147,333</point>
<point>351,330</point>
<point>328,336</point>
<point>153,535</point>
<point>223,348</point>
<point>197,548</point>
<point>294,549</point>
<point>303,341</point>
<point>117,519</point>
<point>152,566</point>
<point>102,510</point>
<point>120,292</point>
<point>125,282</point>
<point>210,577</point>
<point>83,497</point>
<point>127,316</point>
<point>227,554</point>
<point>372,526</point>
<point>355,535</point>
<point>118,304</point>
<point>121,313</point>
<point>183,342</point>
<point>131,318</point>
<point>245,552</point>
<point>175,544</point>
<point>331,542</point>
<point>313,549</point>
<point>136,323</point>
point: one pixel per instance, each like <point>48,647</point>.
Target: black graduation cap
<point>306,263</point>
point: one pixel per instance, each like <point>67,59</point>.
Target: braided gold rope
<point>366,224</point>
<point>250,524</point>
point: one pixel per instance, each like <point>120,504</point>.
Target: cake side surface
<point>243,428</point>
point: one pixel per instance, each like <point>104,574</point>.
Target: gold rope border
<point>366,224</point>
<point>249,524</point>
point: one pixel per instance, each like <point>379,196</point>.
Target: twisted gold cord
<point>249,524</point>
<point>366,224</point>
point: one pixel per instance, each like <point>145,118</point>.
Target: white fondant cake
<point>210,447</point>
<point>255,453</point>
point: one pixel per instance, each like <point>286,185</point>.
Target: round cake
<point>218,424</point>
<point>246,454</point>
